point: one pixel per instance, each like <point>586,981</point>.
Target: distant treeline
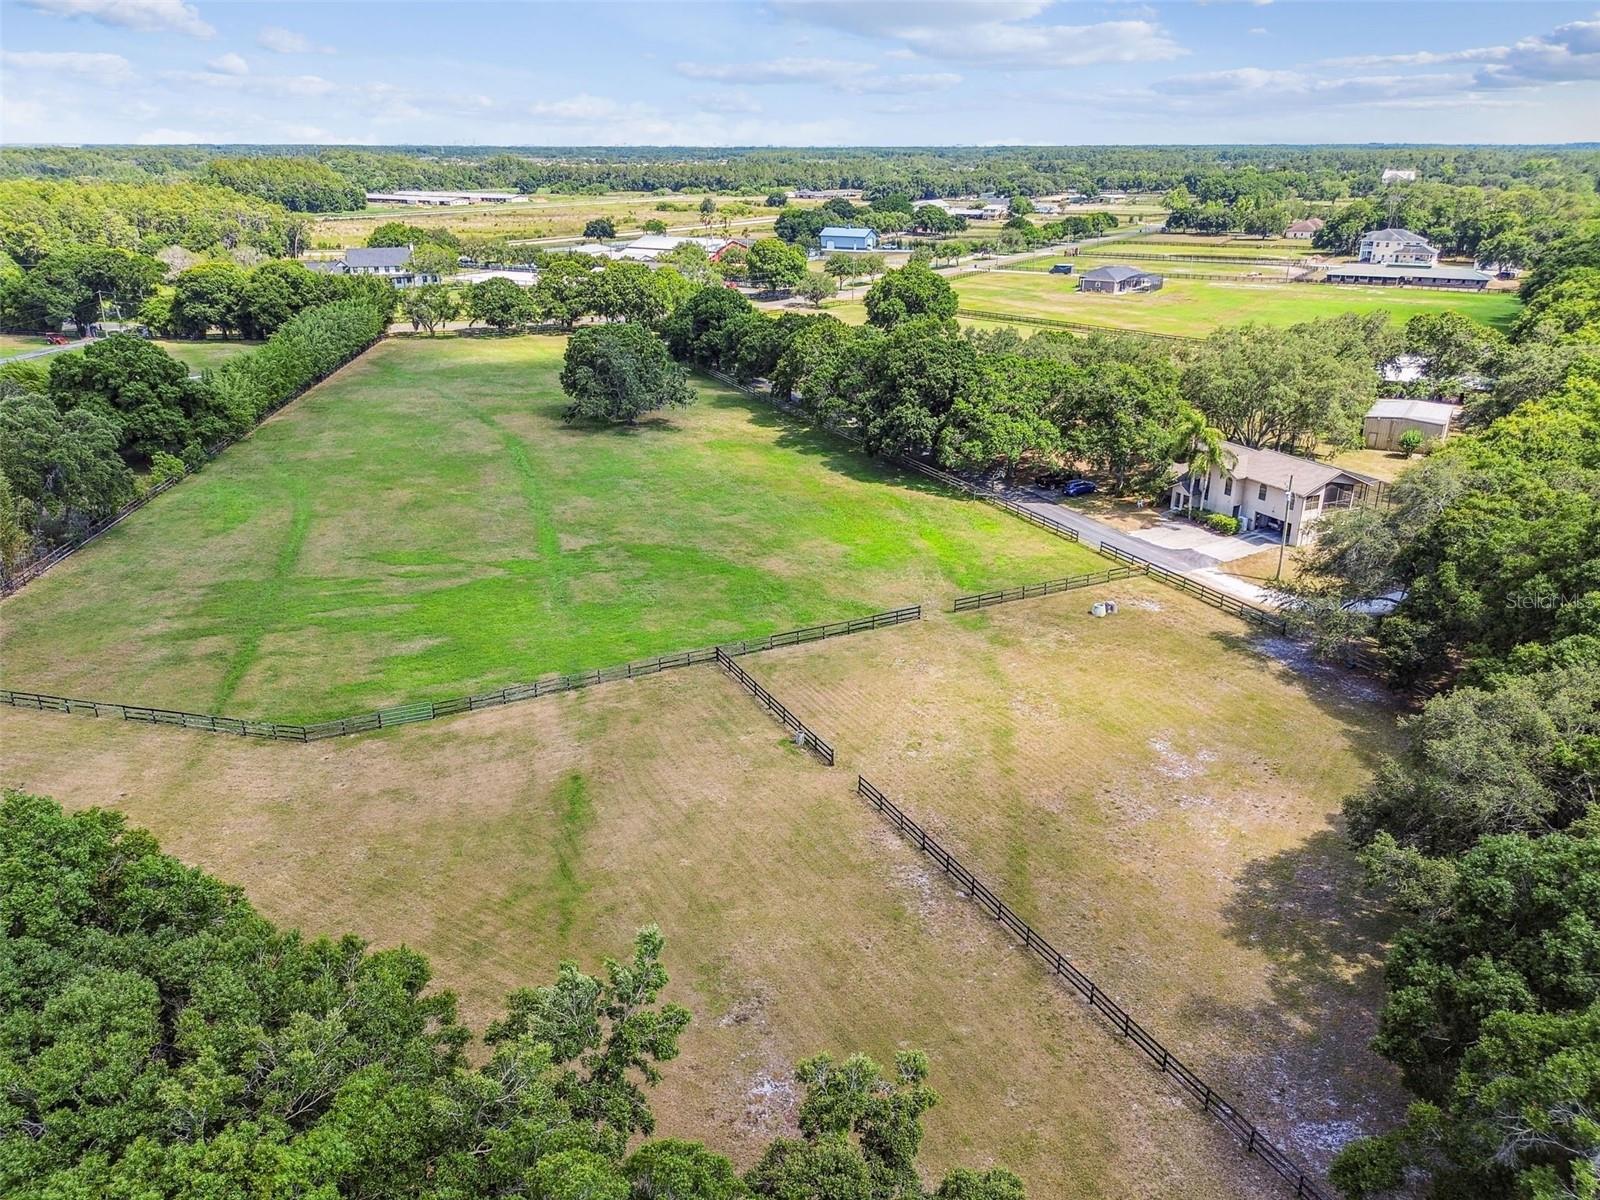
<point>1209,172</point>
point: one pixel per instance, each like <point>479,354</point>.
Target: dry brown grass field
<point>502,842</point>
<point>1157,792</point>
<point>1152,791</point>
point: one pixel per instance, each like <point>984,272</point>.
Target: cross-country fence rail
<point>1050,587</point>
<point>1122,1023</point>
<point>431,710</point>
<point>803,733</point>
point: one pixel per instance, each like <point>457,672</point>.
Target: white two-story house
<point>1399,247</point>
<point>1273,492</point>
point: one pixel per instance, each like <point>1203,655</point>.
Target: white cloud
<point>178,137</point>
<point>106,68</point>
<point>230,64</point>
<point>1421,58</point>
<point>778,70</point>
<point>997,33</point>
<point>847,76</point>
<point>582,107</point>
<point>933,81</point>
<point>297,86</point>
<point>1257,31</point>
<point>146,16</point>
<point>1569,54</point>
<point>286,41</point>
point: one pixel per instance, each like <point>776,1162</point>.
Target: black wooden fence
<point>1228,604</point>
<point>802,731</point>
<point>1049,587</point>
<point>1231,1119</point>
<point>983,314</point>
<point>430,710</point>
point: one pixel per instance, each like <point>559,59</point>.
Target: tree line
<point>163,1039</point>
<point>80,438</point>
<point>1209,172</point>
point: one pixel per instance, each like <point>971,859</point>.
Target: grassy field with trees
<point>427,523</point>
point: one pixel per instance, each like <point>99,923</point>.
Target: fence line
<point>16,580</point>
<point>1241,259</point>
<point>982,314</point>
<point>1229,1117</point>
<point>1049,587</point>
<point>431,710</point>
<point>803,733</point>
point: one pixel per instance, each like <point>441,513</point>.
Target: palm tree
<point>1206,450</point>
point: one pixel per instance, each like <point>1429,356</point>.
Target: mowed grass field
<point>1197,306</point>
<point>498,843</point>
<point>1157,792</point>
<point>202,355</point>
<point>425,525</point>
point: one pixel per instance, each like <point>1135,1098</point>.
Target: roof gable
<point>378,256</point>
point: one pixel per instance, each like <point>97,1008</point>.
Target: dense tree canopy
<point>619,373</point>
<point>160,1038</point>
<point>913,291</point>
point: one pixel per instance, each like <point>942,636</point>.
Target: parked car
<point>1080,487</point>
<point>1061,269</point>
<point>57,339</point>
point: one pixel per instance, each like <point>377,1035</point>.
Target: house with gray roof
<point>1269,491</point>
<point>1398,246</point>
<point>1115,280</point>
<point>391,262</point>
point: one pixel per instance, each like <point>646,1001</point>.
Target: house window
<point>1261,492</point>
<point>1313,501</point>
<point>1227,485</point>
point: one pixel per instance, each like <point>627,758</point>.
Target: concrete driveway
<point>1175,534</point>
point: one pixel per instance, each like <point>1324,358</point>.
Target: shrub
<point>164,467</point>
<point>1221,523</point>
<point>1410,442</point>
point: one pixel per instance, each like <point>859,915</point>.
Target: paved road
<point>44,350</point>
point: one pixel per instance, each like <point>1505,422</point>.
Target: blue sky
<point>797,72</point>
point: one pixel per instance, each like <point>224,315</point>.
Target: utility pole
<point>1283,530</point>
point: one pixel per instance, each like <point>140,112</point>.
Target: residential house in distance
<point>1115,280</point>
<point>827,193</point>
<point>1304,229</point>
<point>848,237</point>
<point>1387,421</point>
<point>1272,492</point>
<point>391,262</point>
<point>1399,175</point>
<point>1399,247</point>
<point>1398,257</point>
<point>1046,208</point>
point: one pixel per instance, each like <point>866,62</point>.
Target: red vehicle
<point>57,339</point>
